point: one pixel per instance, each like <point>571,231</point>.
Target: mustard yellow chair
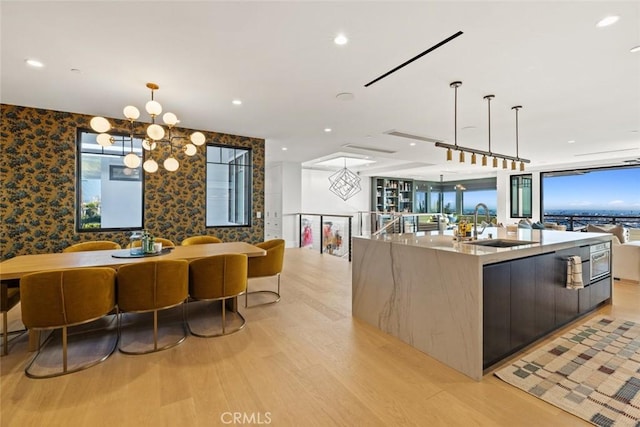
<point>218,278</point>
<point>166,243</point>
<point>9,298</point>
<point>59,299</point>
<point>151,286</point>
<point>265,266</point>
<point>97,245</point>
<point>200,240</point>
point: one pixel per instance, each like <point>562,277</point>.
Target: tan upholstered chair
<point>200,240</point>
<point>98,245</point>
<point>9,298</point>
<point>218,277</point>
<point>265,266</point>
<point>152,286</point>
<point>166,243</point>
<point>58,299</point>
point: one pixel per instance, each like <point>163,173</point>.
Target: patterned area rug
<point>592,372</point>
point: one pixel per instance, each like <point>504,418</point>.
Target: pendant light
<point>484,157</point>
<point>455,85</point>
<point>513,164</point>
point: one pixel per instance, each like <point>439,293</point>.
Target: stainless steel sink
<point>500,243</point>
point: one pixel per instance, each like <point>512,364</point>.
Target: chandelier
<point>473,151</point>
<point>154,134</point>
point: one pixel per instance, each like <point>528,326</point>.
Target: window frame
<point>249,186</point>
<point>78,186</point>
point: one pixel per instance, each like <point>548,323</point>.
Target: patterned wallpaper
<point>37,197</point>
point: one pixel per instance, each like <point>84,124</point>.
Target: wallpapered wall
<point>37,198</point>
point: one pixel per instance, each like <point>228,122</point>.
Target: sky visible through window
<point>611,190</point>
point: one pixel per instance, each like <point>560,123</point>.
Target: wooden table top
<point>15,268</point>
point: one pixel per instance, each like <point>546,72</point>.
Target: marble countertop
<point>543,241</point>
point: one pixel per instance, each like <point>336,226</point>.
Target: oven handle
<point>599,255</point>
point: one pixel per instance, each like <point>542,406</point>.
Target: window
<point>521,196</point>
<point>228,186</point>
<point>109,194</point>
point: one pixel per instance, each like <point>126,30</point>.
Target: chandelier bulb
<point>504,163</point>
<point>522,166</point>
<point>190,150</point>
<point>170,119</point>
<point>104,139</point>
<point>131,112</point>
<point>473,158</point>
<point>149,144</point>
<point>150,166</point>
<point>171,164</point>
<point>132,160</point>
<point>495,162</point>
<point>100,124</point>
<point>155,132</point>
<point>197,138</point>
<point>484,160</point>
<point>449,155</point>
<point>461,156</point>
<point>153,108</point>
<point>513,165</point>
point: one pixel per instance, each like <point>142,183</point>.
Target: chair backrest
<point>272,263</point>
<point>152,285</point>
<point>97,245</point>
<point>166,243</point>
<point>200,240</point>
<point>57,298</point>
<point>218,276</point>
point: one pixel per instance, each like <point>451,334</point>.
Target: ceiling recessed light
<point>341,39</point>
<point>605,22</point>
<point>34,63</point>
<point>236,102</point>
<point>412,144</point>
<point>635,49</point>
<point>327,130</point>
<point>571,141</point>
<point>345,96</point>
<point>284,148</point>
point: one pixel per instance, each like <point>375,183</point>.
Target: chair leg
<point>224,319</point>
<point>64,349</point>
<point>155,330</point>
<point>274,293</point>
<point>5,334</point>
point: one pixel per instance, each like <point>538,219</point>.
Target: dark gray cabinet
<point>496,316</point>
<point>525,299</point>
<point>545,277</point>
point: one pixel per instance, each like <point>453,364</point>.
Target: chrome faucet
<point>475,219</point>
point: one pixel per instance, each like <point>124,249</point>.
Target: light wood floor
<point>303,361</point>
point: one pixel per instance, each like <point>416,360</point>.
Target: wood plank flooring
<point>302,361</point>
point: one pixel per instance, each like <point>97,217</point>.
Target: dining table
<point>11,270</point>
<point>15,268</point>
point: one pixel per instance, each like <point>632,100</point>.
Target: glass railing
<point>372,223</point>
<point>580,222</point>
<point>327,233</point>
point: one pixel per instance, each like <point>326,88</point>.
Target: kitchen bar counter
<point>427,289</point>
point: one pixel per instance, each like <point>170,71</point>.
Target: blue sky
<point>613,189</point>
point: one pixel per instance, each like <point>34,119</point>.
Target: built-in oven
<point>600,260</point>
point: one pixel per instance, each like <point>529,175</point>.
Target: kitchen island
<point>469,305</point>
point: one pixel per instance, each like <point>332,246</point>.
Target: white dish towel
<point>574,273</point>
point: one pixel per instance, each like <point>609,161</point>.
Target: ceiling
<point>576,82</point>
